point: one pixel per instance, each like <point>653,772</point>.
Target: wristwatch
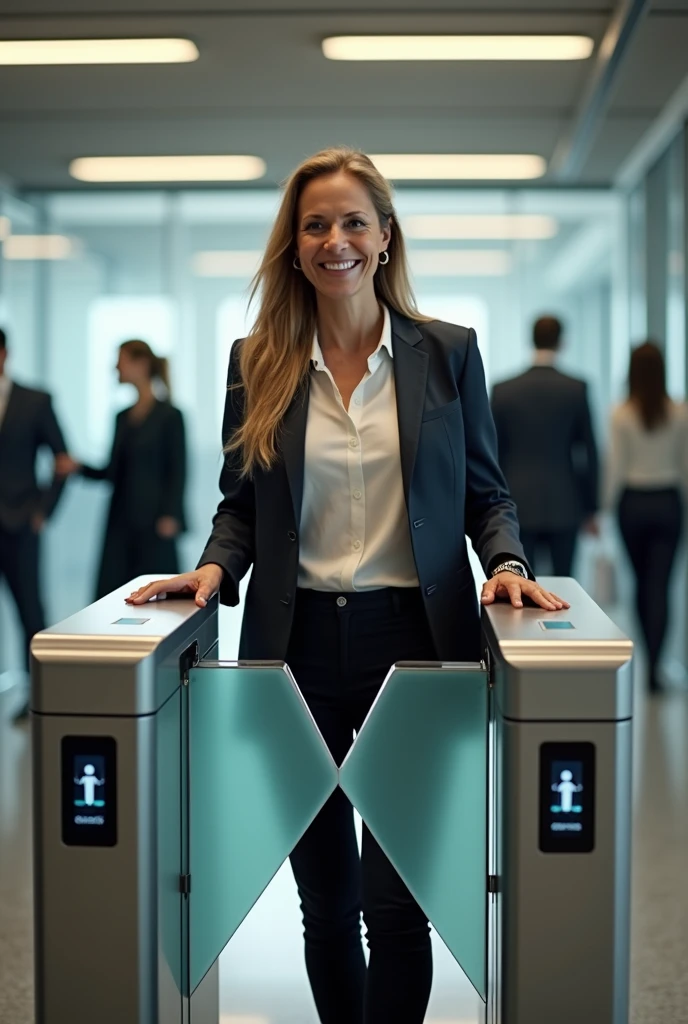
<point>516,567</point>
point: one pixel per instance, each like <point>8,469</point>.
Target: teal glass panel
<point>417,774</point>
<point>259,772</point>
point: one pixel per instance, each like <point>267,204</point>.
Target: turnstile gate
<point>170,787</point>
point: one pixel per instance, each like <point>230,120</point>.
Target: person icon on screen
<point>89,782</point>
<point>566,788</point>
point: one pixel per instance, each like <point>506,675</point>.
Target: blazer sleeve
<point>589,476</point>
<point>491,520</point>
<point>231,544</point>
<point>174,455</point>
<point>496,406</point>
<point>51,437</point>
<point>106,472</point>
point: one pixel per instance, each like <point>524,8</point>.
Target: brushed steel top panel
<point>517,637</point>
<point>92,664</point>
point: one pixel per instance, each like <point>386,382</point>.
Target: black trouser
<point>650,523</point>
<point>19,558</point>
<point>129,551</point>
<point>561,545</point>
<point>340,656</point>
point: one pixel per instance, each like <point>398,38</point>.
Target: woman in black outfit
<point>648,472</point>
<point>147,470</point>
<point>360,450</point>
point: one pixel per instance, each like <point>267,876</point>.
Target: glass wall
<point>174,268</point>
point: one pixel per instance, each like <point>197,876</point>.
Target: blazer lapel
<point>410,379</point>
<point>293,442</point>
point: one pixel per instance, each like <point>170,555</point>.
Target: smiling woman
<point>360,451</point>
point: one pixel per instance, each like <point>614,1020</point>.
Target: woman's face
<point>338,235</point>
<point>130,370</point>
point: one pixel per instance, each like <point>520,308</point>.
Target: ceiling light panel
<point>460,262</point>
<point>455,166</point>
<point>463,47</point>
<point>167,168</point>
<point>40,247</point>
<point>19,52</point>
<point>495,226</point>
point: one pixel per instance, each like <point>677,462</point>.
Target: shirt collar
<point>5,385</point>
<point>385,342</point>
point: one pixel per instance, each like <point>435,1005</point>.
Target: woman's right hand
<point>203,582</point>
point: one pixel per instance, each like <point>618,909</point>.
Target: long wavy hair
<point>275,357</point>
<point>647,385</point>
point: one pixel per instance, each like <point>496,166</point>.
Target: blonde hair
<point>274,358</point>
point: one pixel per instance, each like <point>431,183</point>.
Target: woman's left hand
<point>511,586</point>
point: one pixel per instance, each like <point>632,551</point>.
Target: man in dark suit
<point>27,423</point>
<point>548,453</point>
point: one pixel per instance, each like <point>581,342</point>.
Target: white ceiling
<point>262,85</point>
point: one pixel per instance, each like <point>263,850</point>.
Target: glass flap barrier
<point>417,774</point>
<point>259,772</point>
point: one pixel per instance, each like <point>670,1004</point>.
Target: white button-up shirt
<point>354,532</point>
<point>5,390</point>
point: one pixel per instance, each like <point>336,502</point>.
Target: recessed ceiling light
<point>502,226</point>
<point>40,247</point>
<point>455,47</point>
<point>226,263</point>
<point>452,166</point>
<point>167,168</point>
<point>460,262</point>
<point>97,51</point>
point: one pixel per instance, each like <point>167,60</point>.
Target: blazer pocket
<point>442,410</point>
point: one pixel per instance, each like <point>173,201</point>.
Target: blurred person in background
<point>27,424</point>
<point>147,471</point>
<point>646,483</point>
<point>547,452</point>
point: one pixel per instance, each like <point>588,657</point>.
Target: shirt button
<point>357,545</point>
<point>357,401</point>
<point>357,495</point>
<point>341,601</point>
<point>353,442</point>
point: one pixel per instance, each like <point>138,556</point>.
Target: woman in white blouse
<point>648,476</point>
<point>360,451</point>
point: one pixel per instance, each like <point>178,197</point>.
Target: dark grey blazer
<point>29,424</point>
<point>147,469</point>
<point>452,483</point>
<point>547,448</point>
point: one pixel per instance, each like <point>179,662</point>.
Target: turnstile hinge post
<point>185,884</point>
<point>492,884</point>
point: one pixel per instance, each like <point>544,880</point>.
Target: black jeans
<point>561,545</point>
<point>340,655</point>
<point>19,564</point>
<point>650,524</point>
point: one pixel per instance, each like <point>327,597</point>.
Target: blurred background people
<point>548,453</point>
<point>27,424</point>
<point>147,470</point>
<point>647,478</point>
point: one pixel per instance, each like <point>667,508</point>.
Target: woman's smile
<point>340,266</point>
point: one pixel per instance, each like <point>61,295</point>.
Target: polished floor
<point>262,975</point>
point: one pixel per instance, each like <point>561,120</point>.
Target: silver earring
<point>385,261</point>
<point>296,263</point>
